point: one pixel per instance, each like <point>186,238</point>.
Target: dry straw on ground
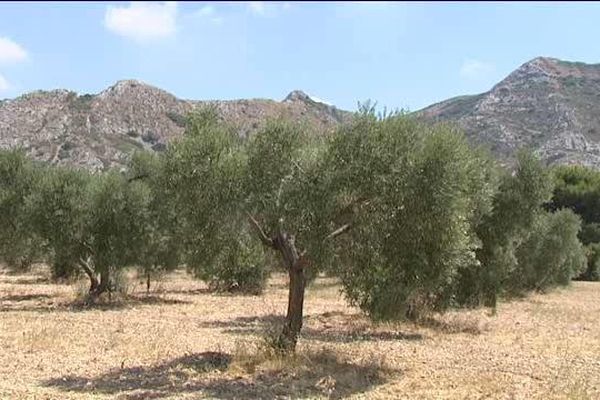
<point>181,342</point>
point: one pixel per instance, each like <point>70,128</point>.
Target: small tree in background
<point>578,189</point>
<point>160,248</point>
<point>203,181</point>
<point>19,246</point>
<point>516,205</point>
<point>551,255</point>
<point>116,220</point>
<point>57,210</point>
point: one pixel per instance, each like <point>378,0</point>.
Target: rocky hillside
<point>549,105</point>
<point>100,131</point>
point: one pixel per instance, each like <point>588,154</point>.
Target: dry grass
<point>182,342</point>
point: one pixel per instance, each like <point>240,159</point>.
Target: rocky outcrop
<point>548,105</point>
<point>101,131</point>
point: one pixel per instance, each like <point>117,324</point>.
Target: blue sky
<point>402,55</point>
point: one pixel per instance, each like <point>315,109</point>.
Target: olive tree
<point>57,211</point>
<point>159,247</point>
<point>289,205</point>
<point>420,188</point>
<point>204,183</point>
<point>385,203</point>
<point>18,243</point>
<point>551,255</point>
<point>94,222</point>
<point>516,205</point>
<point>116,223</point>
<point>578,189</point>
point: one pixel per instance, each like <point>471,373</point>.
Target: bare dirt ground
<point>181,342</point>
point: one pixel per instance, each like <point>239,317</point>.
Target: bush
<point>516,206</point>
<point>592,270</point>
<point>552,255</point>
<point>240,268</point>
<point>414,236</point>
<point>590,232</point>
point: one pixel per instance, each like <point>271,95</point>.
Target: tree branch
<point>261,234</point>
<point>338,232</point>
<point>298,166</point>
<point>137,177</point>
<point>86,246</point>
<point>86,267</point>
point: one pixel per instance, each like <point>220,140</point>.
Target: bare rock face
<point>101,131</point>
<point>548,105</point>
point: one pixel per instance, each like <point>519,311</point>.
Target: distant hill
<point>99,131</point>
<point>548,105</point>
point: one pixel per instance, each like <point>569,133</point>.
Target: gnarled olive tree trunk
<point>89,271</point>
<point>295,265</point>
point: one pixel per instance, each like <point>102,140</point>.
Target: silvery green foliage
<point>160,245</point>
<point>592,270</point>
<point>551,255</point>
<point>203,175</point>
<point>415,190</point>
<point>516,205</point>
<point>116,221</point>
<point>57,211</point>
<point>286,188</point>
<point>19,246</point>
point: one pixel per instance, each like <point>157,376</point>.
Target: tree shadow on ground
<point>32,280</point>
<point>458,324</point>
<point>323,375</point>
<point>23,303</point>
<point>184,291</point>
<point>26,297</point>
<point>123,303</point>
<point>339,333</point>
<point>36,302</point>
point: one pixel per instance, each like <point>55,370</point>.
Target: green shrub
<point>551,255</point>
<point>592,270</point>
<point>516,206</point>
<point>239,268</point>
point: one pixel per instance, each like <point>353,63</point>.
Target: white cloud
<point>210,13</point>
<point>475,69</point>
<point>4,86</point>
<point>205,11</point>
<point>267,8</point>
<point>257,7</point>
<point>142,21</point>
<point>11,52</point>
<point>318,100</point>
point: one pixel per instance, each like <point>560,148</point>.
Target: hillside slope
<point>549,105</point>
<point>100,131</point>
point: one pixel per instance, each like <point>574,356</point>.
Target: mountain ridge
<point>98,131</point>
<point>546,104</point>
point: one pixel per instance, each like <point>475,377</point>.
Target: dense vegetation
<point>409,216</point>
<point>578,189</point>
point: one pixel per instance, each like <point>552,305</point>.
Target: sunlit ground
<point>182,342</point>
